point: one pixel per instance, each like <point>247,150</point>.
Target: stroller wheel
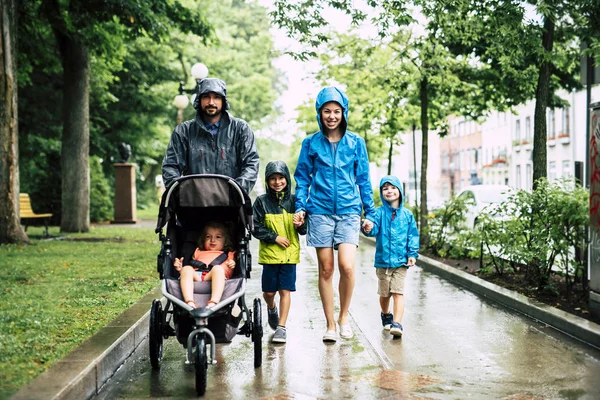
<point>201,363</point>
<point>257,333</point>
<point>156,334</point>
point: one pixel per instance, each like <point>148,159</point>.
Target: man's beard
<point>211,112</point>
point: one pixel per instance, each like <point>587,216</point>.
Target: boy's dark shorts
<point>277,277</point>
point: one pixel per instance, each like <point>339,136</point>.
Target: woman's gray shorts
<point>331,230</point>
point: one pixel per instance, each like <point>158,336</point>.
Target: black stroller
<point>186,206</point>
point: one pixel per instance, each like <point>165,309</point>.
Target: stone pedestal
<point>125,203</point>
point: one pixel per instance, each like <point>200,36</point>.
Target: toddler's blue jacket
<point>397,237</point>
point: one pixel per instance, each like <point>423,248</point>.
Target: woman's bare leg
<point>346,255</point>
<point>325,261</point>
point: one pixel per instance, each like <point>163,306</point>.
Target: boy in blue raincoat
<point>397,246</point>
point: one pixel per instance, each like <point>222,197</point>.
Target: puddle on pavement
<point>523,396</point>
<point>398,380</point>
<point>288,396</point>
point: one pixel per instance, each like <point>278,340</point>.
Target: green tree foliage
<point>83,32</point>
<point>243,59</point>
<point>132,89</point>
<point>522,50</point>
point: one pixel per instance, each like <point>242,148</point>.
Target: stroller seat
<point>202,290</point>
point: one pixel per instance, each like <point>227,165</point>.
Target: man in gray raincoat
<point>214,142</point>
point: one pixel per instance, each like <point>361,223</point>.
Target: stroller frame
<point>190,194</point>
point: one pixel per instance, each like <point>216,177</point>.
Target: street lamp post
<point>181,101</point>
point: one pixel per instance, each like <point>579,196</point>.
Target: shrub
<point>446,229</point>
<point>101,196</point>
<point>537,232</point>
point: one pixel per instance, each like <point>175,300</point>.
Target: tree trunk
<point>10,227</point>
<point>75,172</point>
<point>542,96</point>
<point>390,154</point>
<point>423,226</point>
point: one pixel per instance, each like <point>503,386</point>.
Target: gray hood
<point>278,167</point>
<point>214,85</point>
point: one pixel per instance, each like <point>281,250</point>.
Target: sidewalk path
<point>459,357</point>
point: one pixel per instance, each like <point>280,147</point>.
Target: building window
<point>518,177</point>
<point>528,129</point>
<point>551,125</point>
<point>518,131</point>
<point>566,168</point>
<point>565,120</point>
<point>552,171</point>
<point>445,162</point>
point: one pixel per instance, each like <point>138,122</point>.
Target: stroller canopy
<point>204,191</point>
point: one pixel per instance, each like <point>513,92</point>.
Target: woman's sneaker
<point>273,317</point>
<point>280,335</point>
<point>386,320</point>
<point>396,329</point>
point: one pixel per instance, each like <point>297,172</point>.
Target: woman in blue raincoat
<point>332,190</point>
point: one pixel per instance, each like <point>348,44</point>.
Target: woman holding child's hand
<point>332,190</point>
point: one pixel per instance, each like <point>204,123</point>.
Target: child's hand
<point>178,264</point>
<point>299,219</point>
<point>411,261</point>
<point>230,264</point>
<point>282,241</point>
<point>367,226</point>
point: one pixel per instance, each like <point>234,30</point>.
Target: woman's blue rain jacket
<point>395,229</point>
<point>333,183</point>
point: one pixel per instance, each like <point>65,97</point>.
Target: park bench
<point>26,212</point>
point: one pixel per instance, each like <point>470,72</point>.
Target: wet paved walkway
<point>456,345</point>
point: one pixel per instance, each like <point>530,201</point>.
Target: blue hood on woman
<point>331,94</point>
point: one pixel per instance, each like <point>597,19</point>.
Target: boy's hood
<point>277,167</point>
<point>392,180</point>
<point>331,94</point>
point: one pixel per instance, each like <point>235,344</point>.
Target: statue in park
<point>124,152</point>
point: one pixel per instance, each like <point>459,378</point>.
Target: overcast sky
<point>301,87</point>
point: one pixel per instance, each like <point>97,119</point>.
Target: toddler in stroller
<point>202,309</point>
<point>212,261</point>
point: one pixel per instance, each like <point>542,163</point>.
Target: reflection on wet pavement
<point>456,345</point>
<point>398,381</point>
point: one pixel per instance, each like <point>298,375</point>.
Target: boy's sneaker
<point>273,317</point>
<point>386,320</point>
<point>280,335</point>
<point>396,329</point>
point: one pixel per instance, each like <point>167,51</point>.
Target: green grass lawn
<point>57,293</point>
<point>150,212</point>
